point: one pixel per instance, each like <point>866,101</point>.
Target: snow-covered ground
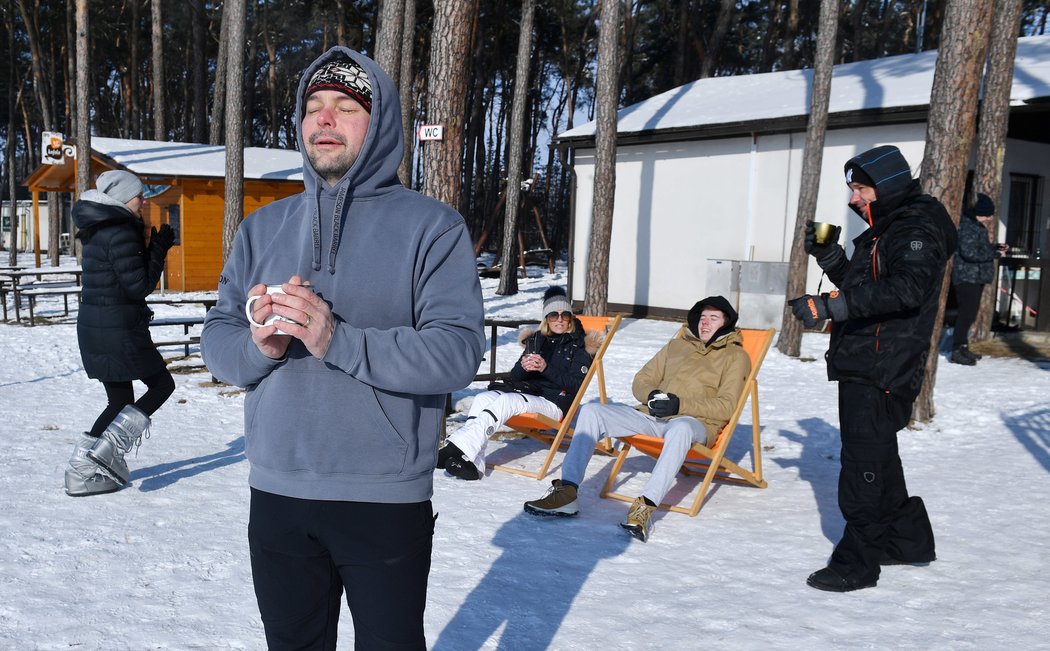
<point>163,564</point>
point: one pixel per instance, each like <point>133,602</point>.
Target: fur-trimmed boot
<point>120,436</point>
<point>83,476</point>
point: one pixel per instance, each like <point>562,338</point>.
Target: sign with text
<point>431,131</point>
<point>53,149</point>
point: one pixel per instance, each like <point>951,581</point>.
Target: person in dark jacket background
<point>544,380</point>
<point>973,268</point>
<point>120,271</point>
<point>883,315</point>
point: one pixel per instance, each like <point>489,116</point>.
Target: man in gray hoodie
<point>345,402</point>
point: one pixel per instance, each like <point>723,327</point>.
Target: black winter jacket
<point>568,359</point>
<point>974,261</point>
<point>892,286</point>
<point>119,273</point>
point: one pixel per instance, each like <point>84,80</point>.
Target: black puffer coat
<point>892,286</point>
<point>119,273</point>
<point>974,262</point>
<point>568,358</point>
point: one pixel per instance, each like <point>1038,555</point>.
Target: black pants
<point>304,552</point>
<point>159,388</point>
<point>880,516</point>
<point>968,297</point>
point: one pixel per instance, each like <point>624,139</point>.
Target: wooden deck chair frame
<point>710,461</point>
<point>557,433</point>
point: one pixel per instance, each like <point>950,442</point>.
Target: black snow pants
<point>883,524</point>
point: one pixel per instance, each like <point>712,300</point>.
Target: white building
<point>708,176</point>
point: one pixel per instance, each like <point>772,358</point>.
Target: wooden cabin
<point>185,188</point>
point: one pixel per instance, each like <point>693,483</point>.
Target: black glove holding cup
<point>662,405</point>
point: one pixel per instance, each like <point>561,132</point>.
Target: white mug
<point>270,289</point>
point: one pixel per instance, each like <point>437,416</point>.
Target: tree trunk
<point>160,132</point>
<point>9,144</point>
<point>949,139</point>
<point>388,38</point>
<point>508,276</point>
<point>725,12</point>
<point>83,130</point>
<point>408,100</point>
<point>218,101</point>
<point>790,339</point>
<point>447,84</point>
<point>606,97</point>
<point>234,209</point>
<point>199,71</point>
<point>991,133</point>
<point>134,118</point>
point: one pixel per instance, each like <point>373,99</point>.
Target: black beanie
<point>983,206</point>
<point>855,174</point>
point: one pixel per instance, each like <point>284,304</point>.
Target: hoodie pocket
<point>307,418</point>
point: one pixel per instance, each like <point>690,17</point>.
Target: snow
<point>163,564</point>
<point>895,82</point>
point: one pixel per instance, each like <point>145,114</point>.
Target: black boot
<point>960,356</point>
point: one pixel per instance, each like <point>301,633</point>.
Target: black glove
<point>665,407</point>
<point>811,310</point>
<point>163,239</point>
<point>825,254</point>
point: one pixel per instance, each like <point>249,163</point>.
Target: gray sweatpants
<point>616,420</point>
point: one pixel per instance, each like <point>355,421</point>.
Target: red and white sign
<point>431,131</point>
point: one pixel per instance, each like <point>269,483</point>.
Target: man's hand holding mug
<point>279,312</point>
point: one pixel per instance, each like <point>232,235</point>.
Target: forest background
<point>662,43</point>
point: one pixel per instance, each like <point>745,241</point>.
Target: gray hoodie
<point>398,270</point>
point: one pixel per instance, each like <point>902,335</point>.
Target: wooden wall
<point>195,264</point>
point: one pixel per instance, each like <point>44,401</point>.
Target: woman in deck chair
<point>544,380</point>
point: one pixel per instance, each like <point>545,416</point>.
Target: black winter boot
<point>960,356</point>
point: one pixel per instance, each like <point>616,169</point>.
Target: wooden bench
<point>34,290</point>
<point>186,339</point>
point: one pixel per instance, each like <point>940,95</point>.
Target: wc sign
<point>431,131</point>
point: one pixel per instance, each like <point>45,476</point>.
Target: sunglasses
<point>554,316</point>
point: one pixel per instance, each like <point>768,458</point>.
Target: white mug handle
<point>248,311</point>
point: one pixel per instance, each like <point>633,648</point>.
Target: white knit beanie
<point>555,300</point>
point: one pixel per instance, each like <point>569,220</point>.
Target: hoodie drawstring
<point>337,221</point>
<point>337,225</point>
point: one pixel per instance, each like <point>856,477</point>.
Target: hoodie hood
<point>375,170</point>
<point>891,177</point>
<point>719,303</point>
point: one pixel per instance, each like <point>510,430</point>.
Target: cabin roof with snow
<point>889,89</point>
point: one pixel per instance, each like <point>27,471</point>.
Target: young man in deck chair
<point>689,390</point>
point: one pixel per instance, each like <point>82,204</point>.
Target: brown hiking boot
<point>560,500</point>
<point>639,519</point>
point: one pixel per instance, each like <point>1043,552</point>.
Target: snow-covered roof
<point>155,158</point>
<point>888,83</point>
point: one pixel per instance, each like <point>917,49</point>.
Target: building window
<point>175,221</point>
<point>1024,228</point>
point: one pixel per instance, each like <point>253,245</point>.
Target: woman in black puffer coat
<point>544,380</point>
<point>120,271</point>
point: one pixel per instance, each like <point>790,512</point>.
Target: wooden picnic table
<point>61,281</point>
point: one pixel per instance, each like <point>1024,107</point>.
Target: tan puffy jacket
<point>707,379</point>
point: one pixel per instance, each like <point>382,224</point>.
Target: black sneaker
<point>969,353</point>
<point>830,580</point>
<point>960,357</point>
<point>461,468</point>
